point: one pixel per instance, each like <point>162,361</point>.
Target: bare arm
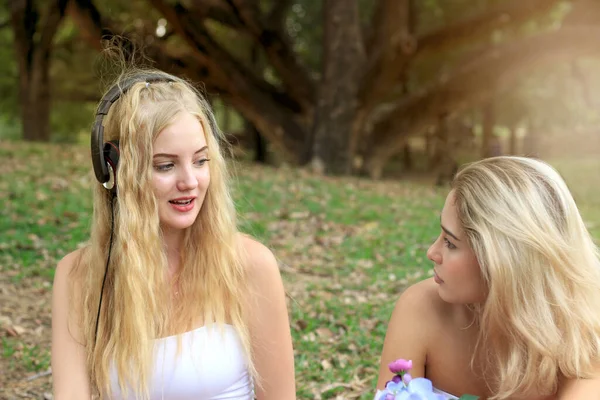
<point>406,335</point>
<point>581,389</point>
<point>269,326</point>
<point>68,354</point>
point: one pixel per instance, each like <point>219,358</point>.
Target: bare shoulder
<point>420,310</point>
<point>268,321</point>
<point>412,328</point>
<point>66,265</point>
<point>70,379</point>
<point>259,260</point>
<point>423,299</point>
<point>67,291</point>
<point>580,388</point>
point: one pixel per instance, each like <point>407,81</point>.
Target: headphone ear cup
<point>111,156</point>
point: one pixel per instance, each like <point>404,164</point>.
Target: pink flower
<point>400,365</point>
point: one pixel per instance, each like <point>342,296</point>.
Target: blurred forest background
<point>360,87</point>
<point>342,112</point>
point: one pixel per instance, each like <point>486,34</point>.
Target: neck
<point>173,242</point>
<point>466,315</point>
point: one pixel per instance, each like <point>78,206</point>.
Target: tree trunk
<point>472,81</point>
<point>512,144</point>
<point>33,46</point>
<point>260,145</point>
<point>443,161</point>
<point>531,142</point>
<point>343,61</point>
<point>284,109</point>
<point>439,144</point>
<point>487,136</point>
<point>226,120</point>
<point>390,49</point>
<point>257,139</point>
<point>429,139</point>
<point>34,101</point>
<point>407,159</point>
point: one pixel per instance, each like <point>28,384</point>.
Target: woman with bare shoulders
<point>513,309</point>
<point>167,300</point>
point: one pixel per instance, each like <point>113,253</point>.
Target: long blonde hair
<point>541,320</point>
<point>137,305</point>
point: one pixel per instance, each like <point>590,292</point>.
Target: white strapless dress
<point>211,366</point>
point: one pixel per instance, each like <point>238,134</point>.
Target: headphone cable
<point>112,229</point>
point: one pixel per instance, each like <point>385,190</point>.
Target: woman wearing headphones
<point>167,300</point>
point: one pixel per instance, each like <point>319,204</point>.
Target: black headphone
<point>105,155</point>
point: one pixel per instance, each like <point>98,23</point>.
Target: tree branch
<point>273,112</point>
<point>275,43</point>
<point>206,62</point>
<point>95,29</point>
<point>56,12</point>
<point>217,11</point>
<point>511,12</point>
<point>20,12</point>
<point>391,46</point>
<point>277,14</point>
<point>232,73</point>
<point>473,81</point>
<point>92,25</point>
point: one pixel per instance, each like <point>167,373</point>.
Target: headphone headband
<point>101,167</point>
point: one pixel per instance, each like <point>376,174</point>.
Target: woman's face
<point>456,269</point>
<point>180,175</point>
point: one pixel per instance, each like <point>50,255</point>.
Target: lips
<point>183,204</point>
<point>436,277</point>
<point>182,201</point>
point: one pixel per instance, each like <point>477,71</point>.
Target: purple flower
<point>395,379</point>
<point>400,365</point>
<point>404,387</point>
<point>394,387</point>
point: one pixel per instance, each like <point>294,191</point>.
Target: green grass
<point>347,248</point>
<point>30,357</point>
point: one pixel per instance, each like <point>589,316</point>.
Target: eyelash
<point>449,244</point>
<point>169,166</point>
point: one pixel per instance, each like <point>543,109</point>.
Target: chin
<point>448,296</point>
<point>183,224</point>
<point>454,298</point>
<point>180,223</point>
<point>444,296</point>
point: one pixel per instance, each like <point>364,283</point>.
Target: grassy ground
<point>347,248</point>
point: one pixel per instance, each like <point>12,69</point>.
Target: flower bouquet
<point>404,387</point>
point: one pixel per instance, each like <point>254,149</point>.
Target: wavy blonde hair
<point>541,320</point>
<point>137,305</point>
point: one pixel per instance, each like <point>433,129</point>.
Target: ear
<point>111,156</point>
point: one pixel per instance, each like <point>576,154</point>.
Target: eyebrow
<point>447,231</point>
<point>176,156</point>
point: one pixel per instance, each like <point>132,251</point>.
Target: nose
<point>186,180</point>
<point>433,253</point>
